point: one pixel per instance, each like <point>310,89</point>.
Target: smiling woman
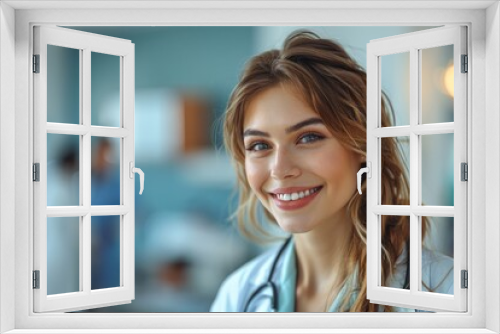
<point>296,161</point>
<point>295,127</point>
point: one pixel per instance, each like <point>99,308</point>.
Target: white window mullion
<point>86,164</point>
<point>67,129</point>
<point>415,158</point>
<point>85,265</point>
<point>123,165</point>
<point>77,129</point>
<point>373,184</point>
<point>83,258</point>
<point>422,129</point>
<point>392,210</point>
<point>419,210</point>
<point>393,131</point>
<point>434,129</point>
<point>103,131</point>
<point>109,210</point>
<point>433,211</point>
<point>80,211</point>
<point>460,156</point>
<point>40,156</point>
<point>127,102</point>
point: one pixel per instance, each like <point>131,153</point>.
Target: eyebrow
<point>293,128</point>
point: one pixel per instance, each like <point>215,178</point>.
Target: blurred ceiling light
<point>449,80</point>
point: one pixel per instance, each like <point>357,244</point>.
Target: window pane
<point>395,162</point>
<point>105,89</point>
<point>437,256</point>
<point>437,84</point>
<point>105,171</point>
<point>437,170</point>
<point>63,255</point>
<point>105,252</point>
<point>395,78</point>
<point>63,85</point>
<point>400,275</point>
<point>63,167</point>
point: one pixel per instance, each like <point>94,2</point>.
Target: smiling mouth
<point>295,196</point>
<point>295,200</point>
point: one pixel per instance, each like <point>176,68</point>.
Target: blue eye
<point>258,147</point>
<point>310,138</point>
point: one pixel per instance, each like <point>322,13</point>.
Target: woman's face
<point>296,167</point>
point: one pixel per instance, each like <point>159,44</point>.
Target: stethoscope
<point>274,288</point>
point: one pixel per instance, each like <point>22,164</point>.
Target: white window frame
<point>413,44</point>
<point>17,19</point>
<point>85,43</point>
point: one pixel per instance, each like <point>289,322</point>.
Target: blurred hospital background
<point>185,244</point>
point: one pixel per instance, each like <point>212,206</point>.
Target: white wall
<point>7,160</point>
<point>492,162</point>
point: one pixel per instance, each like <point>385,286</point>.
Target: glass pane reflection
<point>105,252</point>
<point>437,170</point>
<point>63,85</point>
<point>63,165</point>
<point>105,171</point>
<point>63,255</point>
<point>437,84</point>
<point>400,279</point>
<point>437,256</point>
<point>105,89</point>
<point>395,77</point>
<point>396,147</point>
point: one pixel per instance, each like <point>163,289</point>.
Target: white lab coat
<point>437,273</point>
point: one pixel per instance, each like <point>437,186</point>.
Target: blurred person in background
<point>105,230</point>
<point>295,128</point>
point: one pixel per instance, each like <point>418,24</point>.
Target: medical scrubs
<point>236,290</point>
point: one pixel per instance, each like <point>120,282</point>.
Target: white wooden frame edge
<point>124,50</point>
<point>7,167</point>
<point>21,123</point>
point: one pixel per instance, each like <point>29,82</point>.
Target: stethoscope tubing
<point>270,283</point>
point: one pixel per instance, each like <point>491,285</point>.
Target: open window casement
<point>73,211</point>
<point>424,131</point>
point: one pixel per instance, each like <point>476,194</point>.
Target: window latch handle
<point>133,170</point>
<point>368,171</point>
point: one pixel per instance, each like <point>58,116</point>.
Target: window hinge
<point>36,279</point>
<point>36,63</point>
<point>36,172</point>
<point>465,279</point>
<point>465,64</point>
<point>464,171</point>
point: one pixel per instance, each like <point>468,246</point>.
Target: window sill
<point>262,331</point>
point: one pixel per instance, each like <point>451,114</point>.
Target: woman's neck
<point>321,257</point>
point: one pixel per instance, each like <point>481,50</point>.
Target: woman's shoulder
<point>236,288</point>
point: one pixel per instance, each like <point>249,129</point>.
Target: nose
<point>284,165</point>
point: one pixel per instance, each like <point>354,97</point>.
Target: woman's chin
<point>294,227</point>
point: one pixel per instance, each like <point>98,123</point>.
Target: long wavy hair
<point>334,86</point>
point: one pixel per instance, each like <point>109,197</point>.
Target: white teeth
<point>296,196</point>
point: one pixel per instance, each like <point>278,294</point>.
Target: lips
<point>295,197</point>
